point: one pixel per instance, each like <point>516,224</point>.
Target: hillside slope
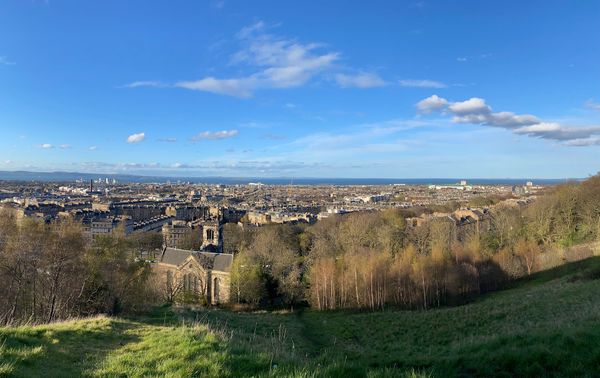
<point>546,325</point>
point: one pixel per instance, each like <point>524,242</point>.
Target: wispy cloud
<point>215,135</point>
<point>258,125</point>
<point>279,62</point>
<point>136,138</point>
<point>144,83</point>
<point>4,61</point>
<point>360,80</point>
<point>274,62</point>
<point>167,140</point>
<point>368,140</point>
<point>584,142</point>
<point>92,148</point>
<point>242,87</point>
<point>210,166</point>
<point>476,111</point>
<point>422,83</point>
<point>591,104</point>
<point>49,146</point>
<point>482,56</point>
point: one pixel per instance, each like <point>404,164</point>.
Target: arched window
<point>169,279</point>
<point>216,290</point>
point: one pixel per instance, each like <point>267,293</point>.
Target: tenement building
<point>103,226</point>
<point>174,233</point>
<point>188,213</point>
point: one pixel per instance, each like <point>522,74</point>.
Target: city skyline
<point>225,88</point>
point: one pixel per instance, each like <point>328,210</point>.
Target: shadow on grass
<point>585,268</point>
<point>60,350</point>
<point>497,337</point>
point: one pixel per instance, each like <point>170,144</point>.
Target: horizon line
<point>288,177</point>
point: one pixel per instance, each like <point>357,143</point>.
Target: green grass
<point>545,325</point>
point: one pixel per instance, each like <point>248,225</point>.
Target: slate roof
<point>222,262</point>
<point>174,256</point>
<point>215,261</point>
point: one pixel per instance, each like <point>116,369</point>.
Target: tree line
<point>52,271</point>
<point>372,260</point>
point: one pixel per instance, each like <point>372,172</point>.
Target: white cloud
<point>136,138</point>
<point>476,111</point>
<point>48,146</point>
<point>215,135</point>
<point>144,83</point>
<point>511,120</point>
<point>278,62</point>
<point>93,148</point>
<point>275,62</point>
<point>543,127</point>
<point>559,132</point>
<point>462,59</point>
<point>584,142</point>
<point>232,87</point>
<point>360,80</point>
<point>422,83</point>
<point>471,106</point>
<point>431,104</point>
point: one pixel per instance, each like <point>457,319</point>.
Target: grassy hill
<point>546,325</point>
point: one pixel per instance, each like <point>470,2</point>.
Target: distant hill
<point>546,325</point>
<point>60,176</point>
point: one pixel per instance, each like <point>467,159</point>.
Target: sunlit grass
<point>184,351</point>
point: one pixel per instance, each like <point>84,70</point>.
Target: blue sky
<point>393,89</point>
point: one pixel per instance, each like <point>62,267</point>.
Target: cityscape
<point>104,206</point>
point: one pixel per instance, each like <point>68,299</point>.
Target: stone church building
<point>195,274</point>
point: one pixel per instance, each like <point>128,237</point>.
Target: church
<point>194,275</point>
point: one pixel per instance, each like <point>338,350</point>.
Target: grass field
<point>546,325</point>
